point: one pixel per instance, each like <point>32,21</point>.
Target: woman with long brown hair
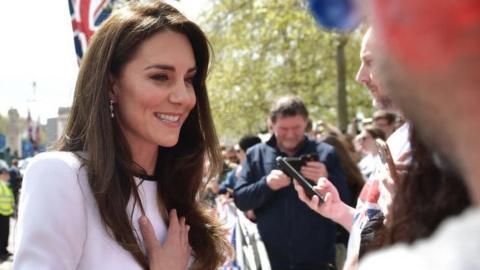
<point>429,193</point>
<point>139,131</point>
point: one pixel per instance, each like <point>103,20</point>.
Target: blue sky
<point>36,45</point>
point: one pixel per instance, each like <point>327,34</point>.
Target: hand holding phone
<point>277,179</point>
<point>386,158</point>
<point>298,162</point>
<point>288,169</point>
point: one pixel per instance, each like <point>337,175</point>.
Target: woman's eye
<point>189,80</point>
<point>159,77</point>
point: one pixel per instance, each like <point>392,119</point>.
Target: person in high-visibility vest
<point>6,210</point>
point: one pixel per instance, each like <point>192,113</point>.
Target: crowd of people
<point>253,183</point>
<point>10,182</point>
<point>139,178</point>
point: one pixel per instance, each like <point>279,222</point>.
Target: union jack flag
<point>87,15</point>
<point>33,132</point>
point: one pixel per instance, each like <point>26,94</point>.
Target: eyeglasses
<point>232,158</point>
<point>363,138</point>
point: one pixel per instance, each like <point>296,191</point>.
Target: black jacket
<point>295,236</point>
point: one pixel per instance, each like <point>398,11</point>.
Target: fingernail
<point>142,220</point>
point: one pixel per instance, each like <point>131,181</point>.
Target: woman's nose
<point>181,93</point>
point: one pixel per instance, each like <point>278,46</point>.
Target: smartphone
<point>386,158</point>
<point>288,169</point>
<point>298,162</point>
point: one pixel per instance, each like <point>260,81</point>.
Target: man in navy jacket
<point>296,238</point>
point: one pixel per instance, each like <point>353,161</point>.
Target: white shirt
<point>455,246</point>
<point>399,141</point>
<point>368,165</point>
<point>59,226</point>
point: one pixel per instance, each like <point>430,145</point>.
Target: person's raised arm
<point>250,192</point>
<point>332,207</point>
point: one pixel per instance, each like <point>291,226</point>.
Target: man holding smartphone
<point>430,62</point>
<point>295,237</point>
<point>377,194</point>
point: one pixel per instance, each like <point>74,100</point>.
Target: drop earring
<point>112,115</point>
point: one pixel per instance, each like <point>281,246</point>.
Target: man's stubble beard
<point>383,103</point>
<point>401,87</point>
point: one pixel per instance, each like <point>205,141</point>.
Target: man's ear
<point>114,89</point>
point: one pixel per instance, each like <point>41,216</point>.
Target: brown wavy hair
<point>427,196</point>
<point>108,158</point>
<point>355,180</point>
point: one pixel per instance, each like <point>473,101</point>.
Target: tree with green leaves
<point>265,49</point>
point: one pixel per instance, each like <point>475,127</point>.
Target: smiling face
<point>289,132</point>
<point>154,92</point>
